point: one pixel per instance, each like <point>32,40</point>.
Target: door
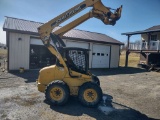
<point>100,56</point>
<point>77,44</point>
<point>40,56</point>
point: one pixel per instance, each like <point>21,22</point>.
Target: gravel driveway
<point>129,94</point>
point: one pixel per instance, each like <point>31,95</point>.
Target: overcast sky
<point>136,15</point>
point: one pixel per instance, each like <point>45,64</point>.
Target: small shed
<point>25,49</point>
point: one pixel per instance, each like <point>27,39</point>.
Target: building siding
<point>19,51</point>
<point>19,54</point>
<point>115,53</point>
<point>145,36</point>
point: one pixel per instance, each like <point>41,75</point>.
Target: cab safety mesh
<point>78,58</point>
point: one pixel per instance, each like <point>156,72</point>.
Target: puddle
<point>105,109</point>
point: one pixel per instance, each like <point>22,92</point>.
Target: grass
<point>3,52</point>
<point>133,59</point>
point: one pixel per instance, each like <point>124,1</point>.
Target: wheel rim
<point>90,95</point>
<point>56,93</point>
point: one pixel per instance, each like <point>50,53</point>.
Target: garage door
<point>40,56</point>
<point>77,44</point>
<point>36,41</point>
<point>100,56</point>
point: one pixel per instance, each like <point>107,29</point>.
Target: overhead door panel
<point>77,44</point>
<point>36,41</point>
<point>100,56</point>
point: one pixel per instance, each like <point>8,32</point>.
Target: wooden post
<point>147,58</point>
<point>148,44</point>
<point>158,45</point>
<point>127,51</point>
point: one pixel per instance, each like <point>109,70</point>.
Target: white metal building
<point>25,48</point>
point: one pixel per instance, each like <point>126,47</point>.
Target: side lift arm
<point>98,11</point>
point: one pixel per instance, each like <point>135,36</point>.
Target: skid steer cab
<point>69,76</point>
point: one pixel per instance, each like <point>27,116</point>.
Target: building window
<point>102,54</point>
<point>153,37</point>
<point>98,54</point>
<point>93,53</point>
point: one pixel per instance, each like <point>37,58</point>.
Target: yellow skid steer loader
<point>70,75</point>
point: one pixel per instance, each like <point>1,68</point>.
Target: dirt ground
<point>129,94</point>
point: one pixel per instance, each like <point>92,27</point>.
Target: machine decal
<point>68,14</point>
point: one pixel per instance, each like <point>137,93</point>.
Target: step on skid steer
<point>70,74</point>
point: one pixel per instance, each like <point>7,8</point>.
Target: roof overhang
<point>87,40</point>
<point>20,31</point>
<point>141,32</point>
<point>64,37</point>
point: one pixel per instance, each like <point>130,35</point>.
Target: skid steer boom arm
<point>98,10</point>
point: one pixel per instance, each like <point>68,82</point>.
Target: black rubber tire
<point>83,88</point>
<point>96,80</point>
<point>63,86</point>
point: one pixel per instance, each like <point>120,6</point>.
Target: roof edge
<point>59,26</point>
<point>71,38</point>
<point>23,19</point>
<point>87,40</point>
<point>20,31</point>
<point>140,32</point>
